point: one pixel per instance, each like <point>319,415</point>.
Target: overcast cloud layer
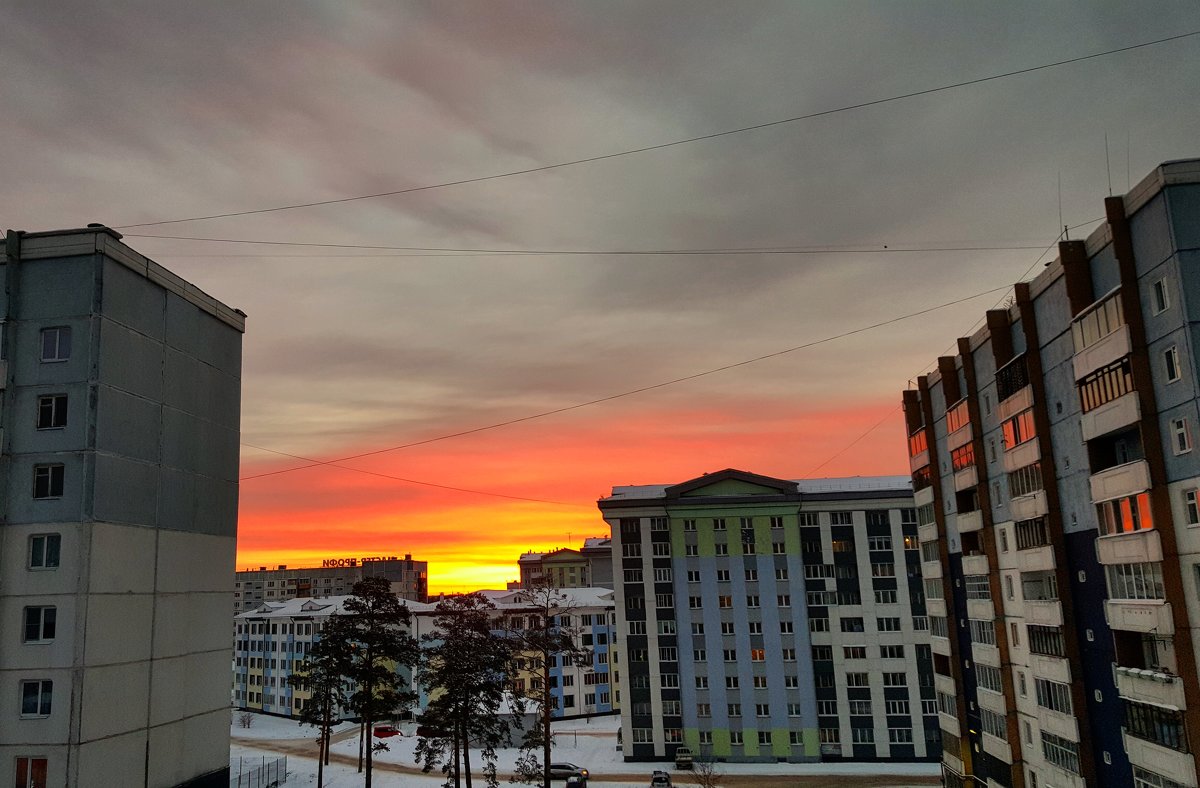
<point>137,112</point>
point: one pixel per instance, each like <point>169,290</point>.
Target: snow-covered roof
<point>845,484</point>
<point>310,607</point>
<point>597,543</point>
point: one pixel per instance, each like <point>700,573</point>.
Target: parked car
<point>563,770</point>
<point>683,758</point>
<point>384,731</point>
<point>432,732</point>
<point>660,779</point>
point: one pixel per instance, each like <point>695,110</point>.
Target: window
<point>44,551</point>
<point>752,600</point>
<point>659,524</point>
<point>1191,506</point>
<point>702,682</point>
<point>719,524</point>
<point>1181,437</point>
<point>885,597</point>
<point>1098,322</point>
<point>854,652</point>
<point>31,773</point>
<point>52,412</point>
<point>1171,363</point>
<point>779,548</point>
<point>809,518</point>
<point>841,518</point>
<point>706,737</point>
<point>734,709</point>
<point>791,682</point>
<point>1032,533</point>
<point>1046,640</point>
<point>660,548</point>
<point>1053,695</point>
<point>721,549</point>
<point>890,624</point>
<point>762,710</point>
<point>786,628</point>
<point>693,576</point>
<point>56,344</point>
<point>39,624</point>
<point>760,682</point>
<point>852,625</point>
<point>891,652</point>
<point>818,624</point>
<point>751,575</point>
<point>977,587</point>
<point>703,710</point>
<point>993,723</point>
<point>731,682</point>
<point>818,571</point>
<point>883,570</point>
<point>735,737</point>
<point>35,698</point>
<point>982,631</point>
<point>48,481</point>
<point>879,543</point>
<point>1135,581</point>
<point>822,653</point>
<point>1025,481</point>
<point>1159,297</point>
<point>691,549</point>
<point>860,708</point>
<point>758,655</point>
<point>776,522</point>
<point>662,575</point>
<point>1019,429</point>
<point>857,680</point>
<point>725,601</point>
<point>781,574</point>
<point>784,600</point>
<point>963,457</point>
<point>830,735</point>
<point>1061,752</point>
<point>727,628</point>
<point>689,525</point>
<point>1147,779</point>
<point>789,655</point>
<point>900,735</point>
<point>896,707</point>
<point>863,735</point>
<point>957,416</point>
<point>895,679</point>
<point>988,677</point>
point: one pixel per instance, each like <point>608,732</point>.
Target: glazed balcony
<point>927,533</point>
<point>966,478</point>
<point>969,521</point>
<point>1106,351</point>
<point>974,564</point>
<point>1027,507</point>
<point>1135,547</point>
<point>1121,413</point>
<point>1044,612</point>
<point>1022,454</point>
<point>1172,764</point>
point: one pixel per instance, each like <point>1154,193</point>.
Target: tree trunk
<point>360,747</point>
<point>454,744</point>
<point>466,739</point>
<point>546,698</point>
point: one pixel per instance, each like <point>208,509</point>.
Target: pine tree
<point>322,673</point>
<point>377,637</point>
<point>465,672</point>
<point>544,637</point>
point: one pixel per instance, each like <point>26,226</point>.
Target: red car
<point>383,731</point>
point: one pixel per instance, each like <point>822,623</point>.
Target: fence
<point>253,773</point>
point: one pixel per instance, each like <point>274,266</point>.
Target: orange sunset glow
<point>473,541</point>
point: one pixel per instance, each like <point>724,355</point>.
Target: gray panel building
<point>120,387</point>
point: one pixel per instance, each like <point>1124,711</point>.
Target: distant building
<point>271,640</point>
<point>120,409</point>
<point>762,619</point>
<point>1058,500</point>
<point>409,579</point>
<point>590,566</point>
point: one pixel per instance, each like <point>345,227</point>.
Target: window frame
<point>49,470</point>
<point>62,350</point>
<point>34,554</point>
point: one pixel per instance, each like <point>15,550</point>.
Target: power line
<point>674,143</point>
<point>881,422</point>
<point>632,392</point>
<point>333,464</point>
<point>765,250</point>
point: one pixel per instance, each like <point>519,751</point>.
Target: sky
<point>128,113</point>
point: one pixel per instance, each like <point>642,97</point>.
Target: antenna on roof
<point>1107,164</point>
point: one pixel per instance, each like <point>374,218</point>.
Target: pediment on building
<point>731,483</point>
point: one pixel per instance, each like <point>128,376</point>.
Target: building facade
<point>766,619</point>
<point>272,640</point>
<point>589,566</point>
<point>1058,500</point>
<point>119,427</point>
<point>336,577</point>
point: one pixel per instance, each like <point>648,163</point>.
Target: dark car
<point>384,731</point>
<point>660,779</point>
<point>563,770</point>
<point>432,732</point>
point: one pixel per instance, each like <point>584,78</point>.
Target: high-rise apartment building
<point>589,566</point>
<point>1058,496</point>
<point>119,424</point>
<point>762,619</point>
<point>335,577</point>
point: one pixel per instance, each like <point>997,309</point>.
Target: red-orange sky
<point>473,541</point>
<point>562,201</point>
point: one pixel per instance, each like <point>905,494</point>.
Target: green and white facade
<point>762,619</point>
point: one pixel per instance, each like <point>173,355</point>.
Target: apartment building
<point>119,421</point>
<point>1057,497</point>
<point>763,619</point>
<point>591,565</point>
<point>271,640</point>
<point>335,577</point>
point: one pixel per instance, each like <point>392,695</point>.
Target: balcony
<point>1135,547</point>
<point>966,478</point>
<point>1177,766</point>
<point>980,609</point>
<point>918,460</point>
<point>1122,412</point>
<point>1057,723</point>
<point>922,497</point>
<point>1140,615</point>
<point>1053,668</point>
<point>985,654</point>
<point>940,645</point>
<point>1120,481</point>
<point>1029,506</point>
<point>1022,454</point>
<point>975,564</point>
<point>1021,400</point>
<point>927,533</point>
<point>1149,686</point>
<point>931,569</point>
<point>1044,612</point>
<point>960,437</point>
<point>969,521</point>
<point>949,724</point>
<point>1112,348</point>
<point>944,684</point>
<point>1035,559</point>
<point>997,748</point>
<point>935,607</point>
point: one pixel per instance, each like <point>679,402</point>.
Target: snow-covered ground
<point>267,726</point>
<point>592,745</point>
